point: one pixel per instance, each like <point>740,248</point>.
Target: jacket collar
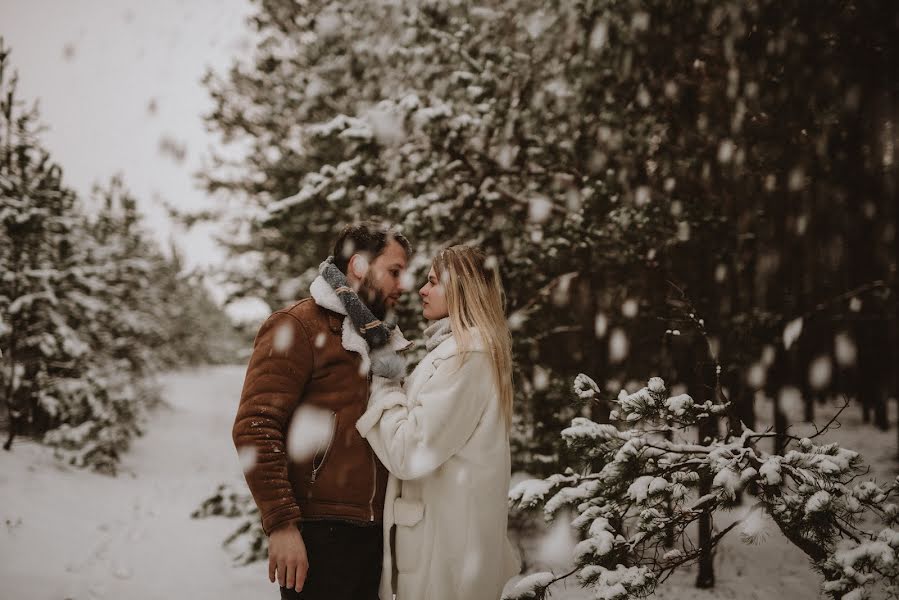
<point>325,296</point>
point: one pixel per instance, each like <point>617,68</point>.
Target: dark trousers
<point>344,561</point>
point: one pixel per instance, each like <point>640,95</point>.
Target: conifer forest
<point>693,207</point>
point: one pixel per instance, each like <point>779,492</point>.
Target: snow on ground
<point>71,534</point>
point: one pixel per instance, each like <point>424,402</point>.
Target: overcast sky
<point>114,78</point>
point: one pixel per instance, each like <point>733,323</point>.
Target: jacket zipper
<point>321,463</point>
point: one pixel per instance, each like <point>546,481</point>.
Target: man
<point>322,512</point>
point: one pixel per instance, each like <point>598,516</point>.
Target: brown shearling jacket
<point>297,359</point>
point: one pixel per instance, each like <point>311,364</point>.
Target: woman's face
<point>433,298</point>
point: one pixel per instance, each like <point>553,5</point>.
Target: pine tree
<point>90,308</point>
<point>638,482</point>
<point>42,351</point>
<point>598,150</point>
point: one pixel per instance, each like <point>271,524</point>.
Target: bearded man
<point>322,510</point>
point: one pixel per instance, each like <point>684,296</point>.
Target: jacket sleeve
<point>414,436</point>
<point>279,370</point>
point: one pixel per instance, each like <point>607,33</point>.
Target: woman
<point>443,435</point>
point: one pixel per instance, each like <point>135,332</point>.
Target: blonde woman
<point>443,435</point>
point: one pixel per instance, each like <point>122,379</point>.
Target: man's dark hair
<point>367,237</point>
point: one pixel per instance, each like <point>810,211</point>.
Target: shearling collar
<point>325,296</point>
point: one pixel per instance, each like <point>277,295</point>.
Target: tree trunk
<point>9,396</point>
<point>706,576</point>
<point>707,428</point>
<point>780,427</point>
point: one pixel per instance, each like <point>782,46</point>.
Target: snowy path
<point>71,534</point>
<point>75,535</point>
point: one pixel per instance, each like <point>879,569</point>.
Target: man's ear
<point>357,267</point>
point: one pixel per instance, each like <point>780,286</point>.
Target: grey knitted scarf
<point>375,332</point>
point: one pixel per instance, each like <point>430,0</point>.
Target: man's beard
<point>374,299</point>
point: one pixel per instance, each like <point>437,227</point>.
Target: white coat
<point>443,438</point>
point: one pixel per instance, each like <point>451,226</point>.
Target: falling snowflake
<point>619,346</point>
<point>311,429</point>
<point>640,21</point>
<point>407,280</point>
<point>347,248</point>
<point>720,273</point>
<point>756,376</point>
<point>642,196</point>
<point>643,98</point>
<point>796,180</point>
<point>539,209</point>
<point>320,340</point>
<point>819,372</point>
<point>630,308</point>
<point>792,332</point>
<point>283,337</point>
<point>541,378</point>
<point>845,350</point>
<point>600,325</point>
<point>246,455</point>
<point>599,36</point>
<point>557,547</point>
<point>768,354</point>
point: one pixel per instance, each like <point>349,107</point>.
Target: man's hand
<point>287,557</point>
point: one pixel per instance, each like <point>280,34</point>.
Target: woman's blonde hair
<point>475,300</point>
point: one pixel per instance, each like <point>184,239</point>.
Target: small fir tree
<point>635,492</point>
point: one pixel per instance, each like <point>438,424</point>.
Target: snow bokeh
<point>557,546</point>
<point>311,430</point>
<point>619,345</point>
<point>247,458</point>
<point>283,337</point>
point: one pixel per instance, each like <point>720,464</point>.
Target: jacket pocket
<point>321,455</point>
<point>410,529</point>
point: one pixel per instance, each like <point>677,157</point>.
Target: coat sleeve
<point>277,374</point>
<point>414,436</point>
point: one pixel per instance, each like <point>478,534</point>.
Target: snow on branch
<point>637,489</point>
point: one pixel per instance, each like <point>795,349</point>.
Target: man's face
<point>382,283</point>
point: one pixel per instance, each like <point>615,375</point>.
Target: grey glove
<point>387,363</point>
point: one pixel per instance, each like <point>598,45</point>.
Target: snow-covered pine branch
<point>638,487</point>
<point>248,542</point>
